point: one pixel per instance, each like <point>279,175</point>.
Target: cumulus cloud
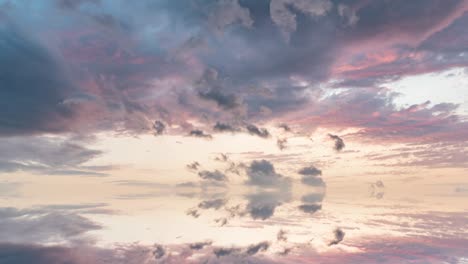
<point>311,176</point>
<point>262,173</point>
<point>310,171</point>
<point>212,175</point>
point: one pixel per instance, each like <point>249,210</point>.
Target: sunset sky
<point>233,131</point>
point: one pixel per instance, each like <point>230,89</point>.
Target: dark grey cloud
<point>200,245</point>
<point>310,171</point>
<point>254,130</point>
<point>339,143</point>
<point>254,249</point>
<point>159,251</point>
<point>222,252</point>
<point>339,236</point>
<point>225,101</point>
<point>212,175</point>
<point>199,133</point>
<point>159,127</point>
<point>34,87</point>
<point>223,127</point>
<point>310,208</point>
<point>211,89</point>
<point>123,254</point>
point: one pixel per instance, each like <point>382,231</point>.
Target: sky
<point>233,131</point>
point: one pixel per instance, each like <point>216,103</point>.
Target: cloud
<point>222,157</point>
<point>159,127</point>
<point>200,245</point>
<point>254,249</point>
<point>228,55</point>
<point>223,127</point>
<point>44,225</point>
<point>285,127</point>
<point>339,143</point>
<point>311,176</point>
<point>193,166</point>
<point>282,12</point>
<point>73,4</point>
<point>262,204</point>
<point>222,252</point>
<point>313,197</point>
<point>281,236</point>
<point>159,251</point>
<point>215,204</point>
<point>262,173</point>
<point>226,101</point>
<point>339,236</point>
<point>254,130</point>
<point>210,89</point>
<point>310,208</point>
<point>212,175</point>
<point>9,189</point>
<point>281,143</point>
<point>34,87</point>
<point>199,133</point>
<point>46,155</point>
<point>193,212</point>
<point>377,189</point>
<point>310,171</point>
<point>392,249</point>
